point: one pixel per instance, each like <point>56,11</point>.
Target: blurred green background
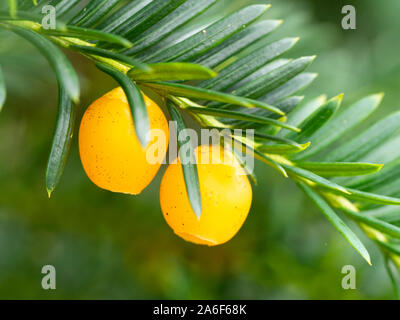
<point>112,246</point>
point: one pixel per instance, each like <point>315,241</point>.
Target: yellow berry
<point>110,151</point>
<point>226,196</point>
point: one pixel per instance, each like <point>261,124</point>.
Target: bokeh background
<point>112,246</point>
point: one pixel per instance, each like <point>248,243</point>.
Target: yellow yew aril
<point>226,196</point>
<point>110,151</point>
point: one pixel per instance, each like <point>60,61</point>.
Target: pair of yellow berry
<point>114,160</point>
